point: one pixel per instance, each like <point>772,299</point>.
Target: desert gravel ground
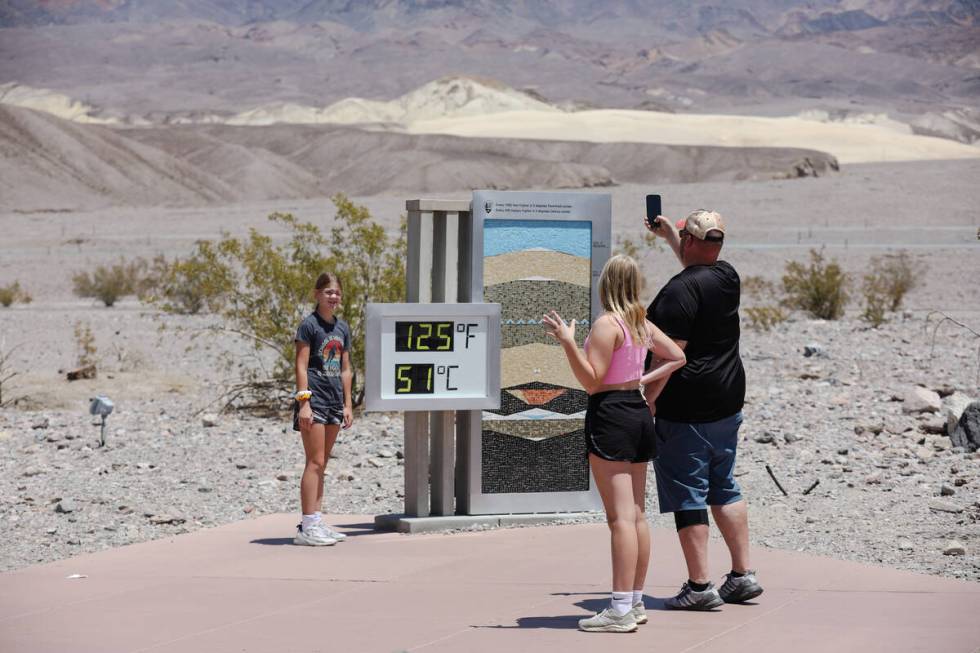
<point>892,491</point>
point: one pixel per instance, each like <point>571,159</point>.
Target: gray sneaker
<point>741,589</point>
<point>313,536</point>
<point>640,613</point>
<point>608,621</point>
<point>688,599</point>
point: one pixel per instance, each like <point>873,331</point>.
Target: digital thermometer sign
<point>432,356</point>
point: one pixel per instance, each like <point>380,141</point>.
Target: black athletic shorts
<point>618,426</point>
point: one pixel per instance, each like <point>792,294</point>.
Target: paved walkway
<point>243,587</point>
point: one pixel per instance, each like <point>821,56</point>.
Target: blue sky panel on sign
<point>505,236</point>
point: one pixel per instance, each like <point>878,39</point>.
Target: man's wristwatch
<point>303,395</point>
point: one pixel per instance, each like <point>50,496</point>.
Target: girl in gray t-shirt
<point>323,401</point>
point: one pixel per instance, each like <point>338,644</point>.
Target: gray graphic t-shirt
<point>328,341</point>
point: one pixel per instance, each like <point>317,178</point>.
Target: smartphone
<point>653,210</point>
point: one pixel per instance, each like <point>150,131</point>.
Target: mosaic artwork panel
<point>530,429</point>
<point>541,263</point>
<point>572,400</point>
<point>530,300</point>
<point>557,464</point>
<point>536,362</point>
<point>535,441</point>
<point>568,236</point>
<point>518,335</point>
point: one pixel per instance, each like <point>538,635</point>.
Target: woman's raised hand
<point>556,328</point>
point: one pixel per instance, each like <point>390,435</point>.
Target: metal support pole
<point>442,428</point>
<point>417,464</point>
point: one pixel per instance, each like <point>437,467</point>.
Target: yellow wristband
<point>303,395</point>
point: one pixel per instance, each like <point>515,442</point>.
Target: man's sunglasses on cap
<point>708,237</point>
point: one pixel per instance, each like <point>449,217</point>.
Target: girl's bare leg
<point>638,472</point>
<point>330,438</point>
<point>311,485</point>
<point>615,484</point>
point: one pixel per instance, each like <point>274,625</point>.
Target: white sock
<point>637,596</point>
<point>310,520</point>
<point>622,602</point>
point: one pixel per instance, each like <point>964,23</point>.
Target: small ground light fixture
<point>101,406</point>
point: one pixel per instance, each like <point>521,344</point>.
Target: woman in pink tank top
<point>619,427</point>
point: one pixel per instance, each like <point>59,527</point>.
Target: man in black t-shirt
<point>698,410</point>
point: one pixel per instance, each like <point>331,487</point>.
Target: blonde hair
<point>619,292</point>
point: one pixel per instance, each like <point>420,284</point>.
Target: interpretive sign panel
<point>533,252</point>
<point>432,357</point>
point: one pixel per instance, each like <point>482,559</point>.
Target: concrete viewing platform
<point>245,587</point>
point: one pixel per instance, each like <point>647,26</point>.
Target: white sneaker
<point>335,534</point>
<point>640,613</point>
<point>313,536</point>
<point>608,621</point>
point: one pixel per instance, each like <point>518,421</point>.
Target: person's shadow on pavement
<point>590,606</point>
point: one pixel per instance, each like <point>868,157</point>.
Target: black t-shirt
<point>700,305</point>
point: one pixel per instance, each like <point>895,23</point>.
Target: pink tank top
<point>627,361</point>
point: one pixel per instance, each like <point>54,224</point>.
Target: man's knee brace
<point>685,518</point>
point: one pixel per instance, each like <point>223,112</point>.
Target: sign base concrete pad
<point>437,524</point>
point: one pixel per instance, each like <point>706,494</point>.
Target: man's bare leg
<point>733,522</point>
<point>694,544</point>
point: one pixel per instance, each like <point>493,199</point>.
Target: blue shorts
<point>695,463</point>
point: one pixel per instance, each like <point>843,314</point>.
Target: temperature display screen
<point>424,336</point>
<point>414,379</point>
<point>421,378</point>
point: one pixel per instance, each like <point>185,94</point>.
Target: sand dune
<point>371,159</point>
<point>470,108</point>
<point>57,104</point>
<point>451,96</point>
<point>849,143</point>
<point>46,162</point>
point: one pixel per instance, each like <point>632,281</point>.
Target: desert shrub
<point>7,374</point>
<point>759,288</point>
<point>819,288</point>
<point>189,286</point>
<point>763,318</point>
<point>110,283</point>
<point>261,290</point>
<point>11,293</point>
<point>761,303</point>
<point>629,247</point>
<point>886,283</point>
<point>876,300</point>
<point>84,344</point>
<point>899,274</point>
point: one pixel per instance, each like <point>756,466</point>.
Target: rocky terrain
<point>892,489</point>
<point>135,128</point>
